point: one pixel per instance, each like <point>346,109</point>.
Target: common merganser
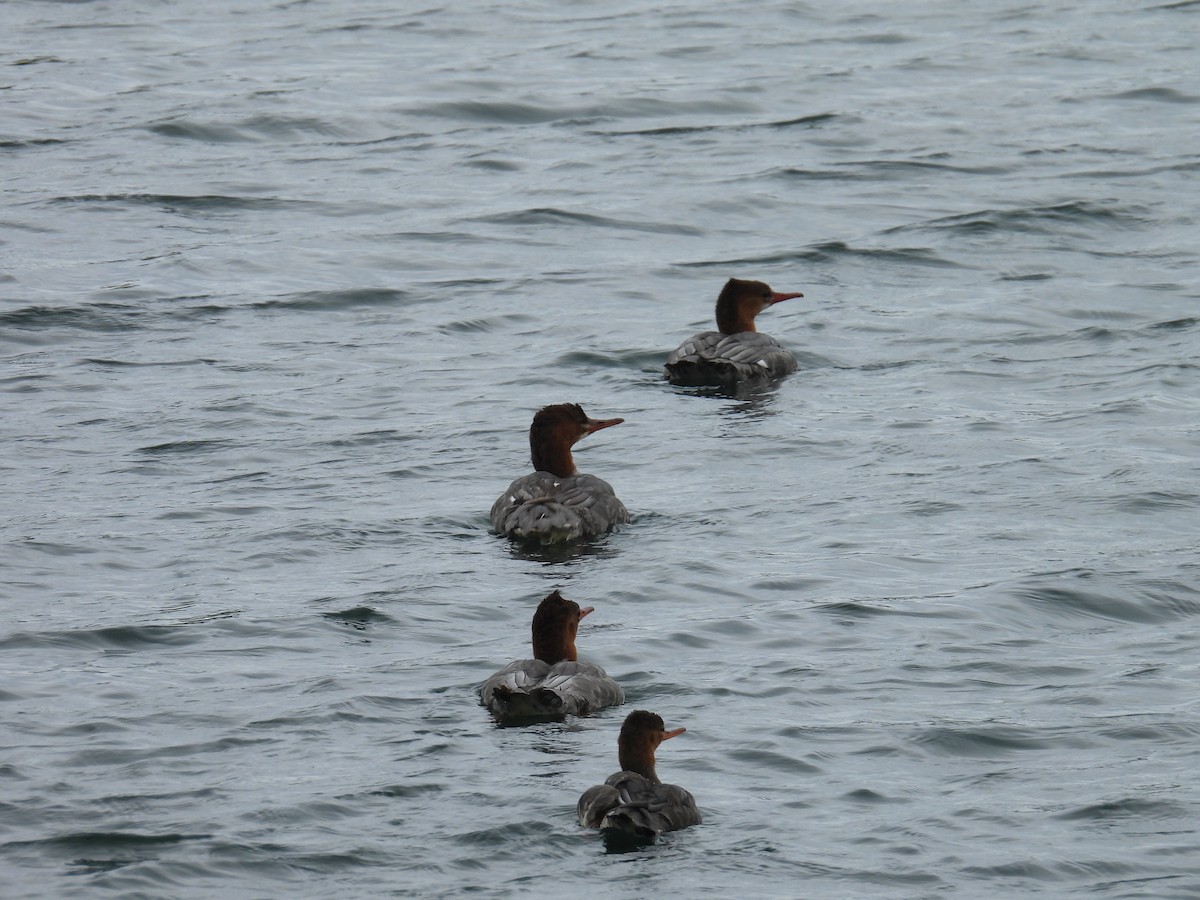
<point>633,804</point>
<point>556,504</point>
<point>735,352</point>
<point>554,683</point>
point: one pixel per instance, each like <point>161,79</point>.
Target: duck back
<point>549,509</point>
<point>532,689</point>
<point>713,358</point>
<point>637,807</point>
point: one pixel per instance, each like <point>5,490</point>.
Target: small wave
<point>1157,94</point>
<point>344,299</point>
<point>1176,324</point>
<point>1155,501</point>
<point>119,637</point>
<point>768,759</point>
<point>885,169</point>
<point>253,129</point>
<point>1034,219</point>
<point>1153,602</point>
<point>407,791</point>
<point>188,202</point>
<point>558,217</point>
<point>983,743</point>
<point>139,364</point>
<point>1127,807</point>
<point>116,840</point>
<point>503,834</point>
<point>586,360</point>
<point>510,113</point>
<point>13,144</point>
<point>865,795</point>
<point>485,325</point>
<point>829,251</point>
<point>105,317</point>
<point>359,617</point>
<point>193,446</point>
<point>811,121</point>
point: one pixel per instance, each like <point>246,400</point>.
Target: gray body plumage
<point>713,358</point>
<point>530,688</point>
<point>636,806</point>
<point>549,509</point>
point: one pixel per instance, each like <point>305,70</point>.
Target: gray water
<point>283,284</point>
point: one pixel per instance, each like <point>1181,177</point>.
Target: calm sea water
<point>283,285</point>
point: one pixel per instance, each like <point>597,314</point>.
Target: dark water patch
<point>768,759</point>
<point>1184,324</point>
<point>511,113</point>
<point>34,60</point>
<point>980,743</point>
<point>559,217</point>
<point>105,757</point>
<point>54,548</point>
<point>140,364</point>
<point>372,438</point>
<point>505,113</point>
<point>408,791</point>
<point>255,128</point>
<point>359,618</point>
<point>1157,94</point>
<point>104,317</point>
<point>831,251</point>
<point>197,203</point>
<point>112,841</point>
<point>1154,501</point>
<point>187,447</point>
<point>333,301</point>
<point>1025,276</point>
<point>454,238</point>
<point>1160,732</point>
<point>1125,808</point>
<point>87,729</point>
<point>28,143</point>
<point>559,554</point>
<point>589,360</point>
<point>488,325</point>
<point>885,606</point>
<point>1139,604</point>
<point>761,693</point>
<point>501,835</point>
<point>930,508</point>
<point>791,585</point>
<point>1132,171</point>
<point>122,637</point>
<point>469,283</point>
<point>494,165</point>
<point>903,169</point>
<point>1021,870</point>
<point>811,121</point>
<point>1035,219</point>
<point>871,798</point>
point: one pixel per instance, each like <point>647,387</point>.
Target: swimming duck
<point>554,683</point>
<point>735,352</point>
<point>555,503</point>
<point>633,804</point>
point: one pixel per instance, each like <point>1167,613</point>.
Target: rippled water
<point>283,285</point>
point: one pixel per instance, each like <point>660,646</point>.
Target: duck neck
<point>638,759</point>
<point>556,648</point>
<point>551,455</point>
<point>733,317</point>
